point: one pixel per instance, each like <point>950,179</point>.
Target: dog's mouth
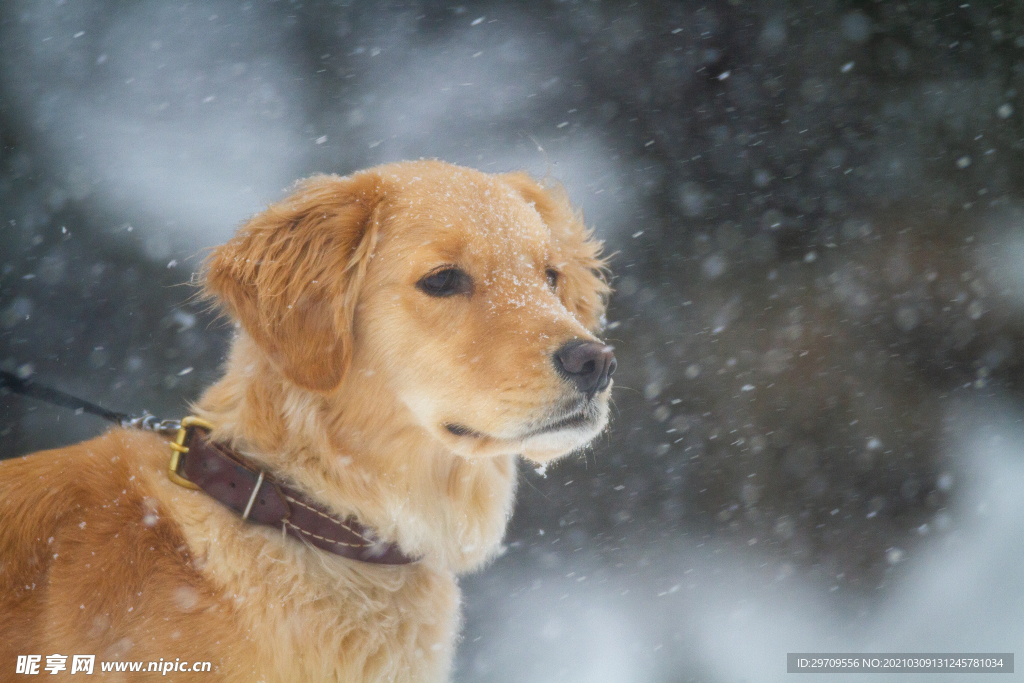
<point>461,430</point>
<point>581,417</point>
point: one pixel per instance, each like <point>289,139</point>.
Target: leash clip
<point>150,423</point>
<point>178,448</point>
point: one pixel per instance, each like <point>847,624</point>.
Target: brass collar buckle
<point>178,449</point>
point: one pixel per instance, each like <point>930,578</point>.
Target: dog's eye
<point>552,276</point>
<point>447,282</point>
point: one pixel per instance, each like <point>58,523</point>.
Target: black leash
<point>27,387</point>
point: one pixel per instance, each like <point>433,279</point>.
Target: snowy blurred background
<point>818,210</point>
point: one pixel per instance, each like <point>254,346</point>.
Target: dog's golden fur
<point>342,379</point>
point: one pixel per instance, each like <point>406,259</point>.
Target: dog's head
<point>473,298</point>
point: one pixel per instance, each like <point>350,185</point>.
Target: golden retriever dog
<point>402,334</point>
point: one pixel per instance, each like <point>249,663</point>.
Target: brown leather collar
<point>259,497</point>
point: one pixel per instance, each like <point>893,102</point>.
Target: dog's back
<point>94,561</point>
<point>88,565</point>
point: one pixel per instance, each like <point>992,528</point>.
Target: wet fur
<point>340,379</point>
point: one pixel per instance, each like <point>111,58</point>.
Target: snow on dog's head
<point>474,297</point>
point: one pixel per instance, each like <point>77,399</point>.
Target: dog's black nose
<point>589,365</point>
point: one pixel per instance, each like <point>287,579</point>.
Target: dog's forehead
<point>468,214</point>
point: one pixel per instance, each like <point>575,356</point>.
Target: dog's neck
<point>359,451</point>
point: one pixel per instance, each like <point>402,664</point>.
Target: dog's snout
<point>589,365</point>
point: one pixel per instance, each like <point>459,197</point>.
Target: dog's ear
<point>292,275</point>
<point>584,285</point>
